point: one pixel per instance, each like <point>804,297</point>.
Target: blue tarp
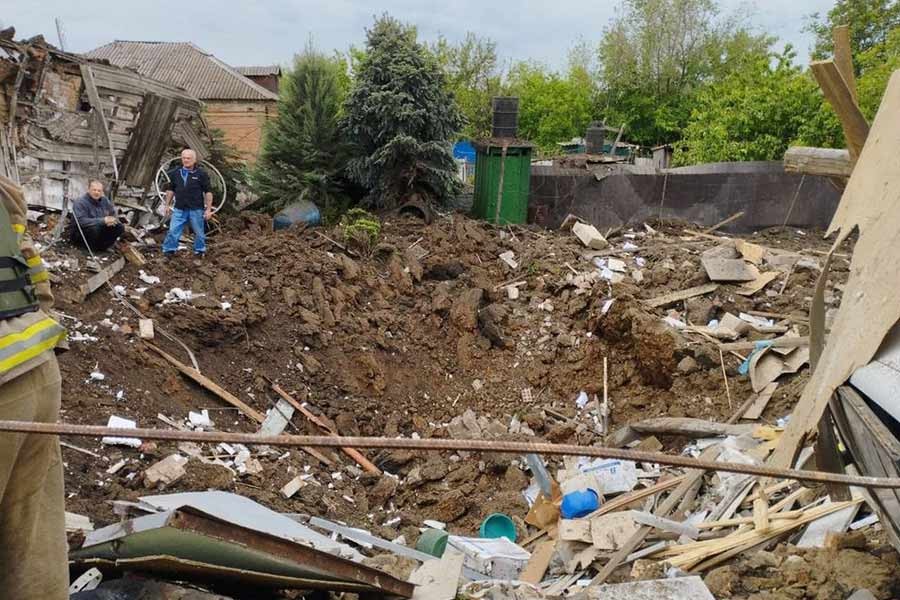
<point>464,150</point>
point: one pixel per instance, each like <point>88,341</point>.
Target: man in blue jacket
<point>96,216</point>
<point>189,186</point>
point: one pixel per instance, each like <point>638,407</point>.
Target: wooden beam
<point>830,162</point>
<point>353,453</point>
<point>843,57</point>
<point>87,76</point>
<point>837,92</point>
<point>782,342</point>
<point>674,297</point>
<point>210,385</point>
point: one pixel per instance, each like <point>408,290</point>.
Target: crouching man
<point>96,216</point>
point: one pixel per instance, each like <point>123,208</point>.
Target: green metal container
<point>514,170</point>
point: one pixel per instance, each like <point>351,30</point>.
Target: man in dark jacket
<point>189,186</point>
<point>96,216</point>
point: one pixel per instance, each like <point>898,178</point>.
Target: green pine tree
<point>402,119</point>
<point>303,153</point>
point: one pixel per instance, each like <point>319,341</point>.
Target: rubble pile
<point>650,337</point>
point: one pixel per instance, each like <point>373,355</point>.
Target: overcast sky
<point>271,31</point>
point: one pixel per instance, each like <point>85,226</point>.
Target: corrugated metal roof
<point>185,65</point>
<point>259,71</point>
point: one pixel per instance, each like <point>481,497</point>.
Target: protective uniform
<point>33,548</point>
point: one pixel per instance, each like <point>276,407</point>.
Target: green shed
<point>507,161</point>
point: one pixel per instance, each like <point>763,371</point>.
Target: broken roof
<point>185,65</point>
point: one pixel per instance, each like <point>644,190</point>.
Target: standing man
<point>33,547</point>
<point>95,218</point>
<point>189,186</point>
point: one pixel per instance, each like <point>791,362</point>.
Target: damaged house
<point>65,119</point>
<point>233,103</point>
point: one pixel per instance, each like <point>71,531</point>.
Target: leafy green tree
<point>870,22</point>
<point>755,113</point>
<point>402,118</point>
<point>877,64</point>
<point>656,55</point>
<point>552,108</point>
<point>303,153</point>
<point>474,78</point>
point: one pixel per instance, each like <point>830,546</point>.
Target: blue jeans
<point>176,226</point>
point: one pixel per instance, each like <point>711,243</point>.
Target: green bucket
<point>498,525</point>
<point>433,542</point>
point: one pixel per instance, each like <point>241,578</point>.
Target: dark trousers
<point>99,237</point>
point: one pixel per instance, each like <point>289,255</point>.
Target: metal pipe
<point>444,444</point>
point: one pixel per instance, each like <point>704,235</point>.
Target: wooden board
<point>761,281</point>
<point>830,162</point>
<point>761,401</point>
<point>868,307</point>
<point>537,565</point>
<point>148,141</point>
<point>97,280</point>
<point>674,297</point>
<point>728,269</point>
<point>843,57</point>
<point>838,94</point>
<point>208,384</point>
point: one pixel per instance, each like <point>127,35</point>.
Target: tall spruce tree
<point>401,117</point>
<point>303,153</point>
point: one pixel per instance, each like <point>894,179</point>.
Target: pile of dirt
<point>400,342</point>
<point>791,573</point>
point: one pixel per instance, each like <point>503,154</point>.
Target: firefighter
<point>33,547</point>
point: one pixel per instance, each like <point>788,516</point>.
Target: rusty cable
<point>433,444</point>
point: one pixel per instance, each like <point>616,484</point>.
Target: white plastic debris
<point>200,419</point>
<point>582,400</point>
<point>629,247</point>
<point>673,322</point>
<point>121,423</point>
<point>178,295</point>
<point>225,305</point>
<point>97,375</point>
<point>119,290</point>
<point>147,278</point>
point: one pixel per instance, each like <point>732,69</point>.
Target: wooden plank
<point>190,139</point>
<point>149,140</point>
<point>837,92</point>
<point>663,511</point>
<point>210,385</point>
<point>353,453</point>
<point>689,427</point>
<point>537,565</point>
<point>674,297</point>
<point>625,500</point>
<point>843,57</point>
<point>761,400</point>
<point>723,223</point>
<point>830,162</point>
<point>782,342</point>
<point>98,279</point>
<point>868,307</point>
<point>87,76</point>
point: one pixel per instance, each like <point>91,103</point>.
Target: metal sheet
<point>247,513</point>
<point>880,379</point>
<point>191,535</point>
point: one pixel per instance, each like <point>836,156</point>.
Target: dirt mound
<point>399,342</point>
